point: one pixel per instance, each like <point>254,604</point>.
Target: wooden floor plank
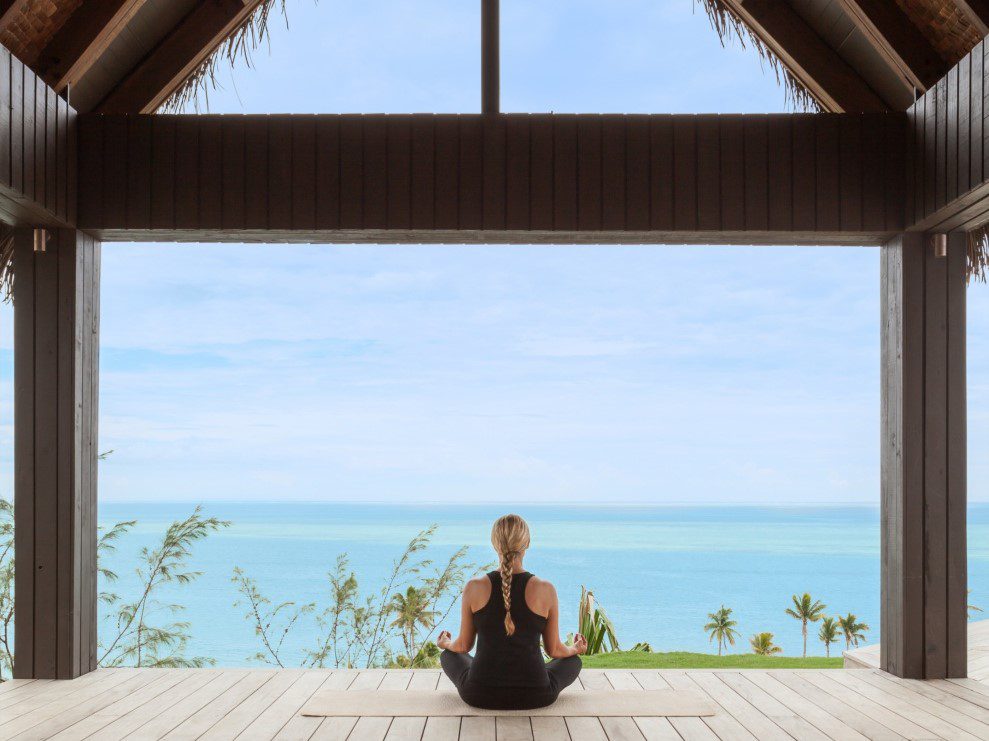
<point>594,679</point>
<point>547,728</point>
<point>334,729</point>
<point>443,682</point>
<point>880,714</point>
<point>803,708</point>
<point>396,680</point>
<point>735,705</point>
<point>586,729</point>
<point>370,729</point>
<point>238,719</point>
<point>660,729</point>
<point>722,723</point>
<point>215,709</point>
<point>622,680</point>
<point>847,714</point>
<point>621,729</point>
<point>118,728</point>
<point>694,729</point>
<point>406,729</point>
<point>133,703</point>
<point>19,703</point>
<point>424,679</point>
<point>269,724</point>
<point>368,679</point>
<point>513,728</point>
<point>476,728</point>
<point>441,729</point>
<point>301,727</point>
<point>749,687</point>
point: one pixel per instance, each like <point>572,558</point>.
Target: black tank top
<point>503,660</point>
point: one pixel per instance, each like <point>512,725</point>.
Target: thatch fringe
<point>730,27</point>
<point>978,254</point>
<point>239,45</point>
<point>6,264</point>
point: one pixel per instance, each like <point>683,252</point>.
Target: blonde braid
<point>506,590</point>
<point>510,538</point>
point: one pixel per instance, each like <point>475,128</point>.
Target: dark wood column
<point>56,350</point>
<point>924,570</point>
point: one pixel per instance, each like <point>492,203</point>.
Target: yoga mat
<point>420,703</point>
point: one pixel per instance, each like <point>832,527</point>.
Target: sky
<point>647,374</point>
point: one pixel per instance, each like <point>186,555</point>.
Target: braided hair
<point>510,538</point>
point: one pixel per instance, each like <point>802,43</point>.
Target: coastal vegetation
<point>688,660</point>
<point>762,645</point>
<point>722,628</point>
<point>806,610</point>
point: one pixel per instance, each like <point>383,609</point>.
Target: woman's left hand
<point>444,640</point>
<point>580,644</point>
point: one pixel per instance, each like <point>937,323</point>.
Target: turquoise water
<point>657,570</point>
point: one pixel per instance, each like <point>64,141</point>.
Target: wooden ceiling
<point>132,55</point>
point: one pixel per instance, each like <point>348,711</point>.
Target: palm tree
<point>853,630</point>
<point>828,634</point>
<point>806,610</point>
<point>411,610</point>
<point>762,644</point>
<point>722,627</point>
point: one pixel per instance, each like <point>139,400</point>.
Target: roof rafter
<point>828,77</point>
<point>83,39</point>
<point>898,40</point>
<point>178,55</point>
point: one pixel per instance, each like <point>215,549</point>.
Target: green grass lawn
<point>684,660</point>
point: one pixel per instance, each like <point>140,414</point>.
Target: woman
<point>508,611</point>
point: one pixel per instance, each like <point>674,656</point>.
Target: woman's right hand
<point>444,640</point>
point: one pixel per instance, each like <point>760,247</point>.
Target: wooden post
<point>490,57</point>
<point>924,573</point>
<point>56,350</point>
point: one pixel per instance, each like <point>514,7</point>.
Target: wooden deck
<point>264,704</point>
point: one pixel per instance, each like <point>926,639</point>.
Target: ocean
<point>658,571</point>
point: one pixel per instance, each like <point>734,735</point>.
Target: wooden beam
<point>83,39</point>
<point>898,40</point>
<point>779,178</point>
<point>169,64</point>
<point>56,348</point>
<point>490,57</point>
<point>977,12</point>
<point>829,78</point>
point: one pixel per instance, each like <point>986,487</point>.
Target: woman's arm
<point>555,648</point>
<point>465,641</point>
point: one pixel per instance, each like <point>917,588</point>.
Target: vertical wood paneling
<point>930,150</point>
<point>17,108</point>
<point>211,169</point>
<point>637,162</point>
<point>447,133</point>
<point>280,173</point>
<point>163,157</point>
<point>471,173</point>
<point>27,132</point>
<point>139,158</point>
<point>517,172</point>
<point>589,191</point>
<point>40,138</point>
<point>5,117</point>
<point>61,185</point>
<point>91,169</point>
<point>399,173</point>
<point>234,173</point>
<point>327,173</point>
<point>114,170</point>
<point>976,116</point>
<point>708,173</point>
<point>375,172</point>
<point>964,125</point>
<point>851,175</point>
<point>351,173</point>
<point>661,173</point>
<point>685,173</point>
<point>494,208</point>
<point>49,193</point>
<point>732,174</point>
<point>303,172</point>
<point>780,164</point>
<point>186,180</point>
<point>756,174</point>
<point>613,174</point>
<point>951,135</point>
<point>565,175</point>
<point>941,143</point>
<point>423,173</point>
<point>874,176</point>
<point>828,177</point>
<point>541,173</point>
<point>256,173</point>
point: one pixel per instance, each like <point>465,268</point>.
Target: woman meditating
<point>508,611</point>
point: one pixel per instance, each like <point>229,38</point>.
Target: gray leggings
<point>562,673</point>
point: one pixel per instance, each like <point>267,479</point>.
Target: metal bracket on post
<point>939,243</point>
<point>41,237</point>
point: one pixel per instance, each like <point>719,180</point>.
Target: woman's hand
<point>579,644</point>
<point>445,639</point>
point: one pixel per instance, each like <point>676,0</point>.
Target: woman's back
<point>503,660</point>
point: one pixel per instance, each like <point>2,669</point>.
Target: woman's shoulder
<point>541,587</point>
